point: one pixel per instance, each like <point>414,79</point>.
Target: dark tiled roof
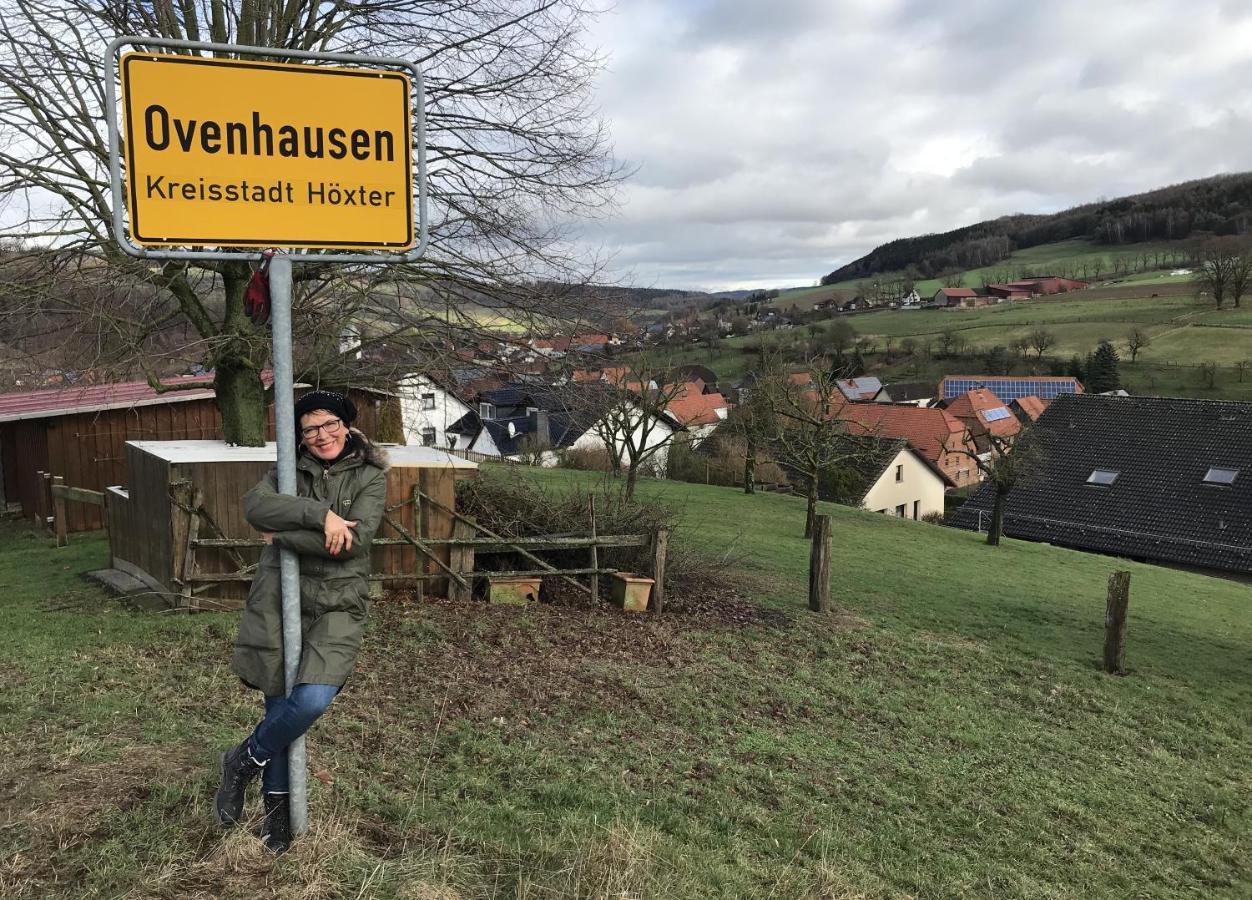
<point>1159,507</point>
<point>904,391</point>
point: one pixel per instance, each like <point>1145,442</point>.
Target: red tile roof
<point>691,406</point>
<point>1032,406</point>
<point>958,292</point>
<point>972,408</point>
<point>929,430</point>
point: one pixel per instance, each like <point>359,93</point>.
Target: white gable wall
<point>415,417</point>
<point>920,492</point>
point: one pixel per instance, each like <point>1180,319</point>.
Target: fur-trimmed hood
<point>371,452</point>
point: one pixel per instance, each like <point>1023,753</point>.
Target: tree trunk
<point>810,513</point>
<point>241,400</point>
<point>632,475</point>
<point>1115,623</point>
<point>237,366</point>
<point>997,520</point>
<point>749,468</point>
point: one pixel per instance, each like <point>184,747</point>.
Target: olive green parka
<point>333,589</point>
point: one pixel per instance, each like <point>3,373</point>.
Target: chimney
<point>539,427</point>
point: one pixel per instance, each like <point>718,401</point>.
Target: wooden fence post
<point>419,561</point>
<point>461,561</point>
<point>660,544</point>
<point>59,523</point>
<point>1115,623</point>
<point>819,565</point>
<point>595,554</point>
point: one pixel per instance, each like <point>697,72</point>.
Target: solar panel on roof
<point>1008,389</point>
<point>995,414</point>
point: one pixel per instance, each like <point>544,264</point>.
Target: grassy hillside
<point>1183,333</point>
<point>1046,259</point>
<point>948,733</point>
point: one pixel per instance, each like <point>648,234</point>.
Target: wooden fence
<point>470,539</point>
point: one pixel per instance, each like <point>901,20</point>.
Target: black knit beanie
<point>338,404</point>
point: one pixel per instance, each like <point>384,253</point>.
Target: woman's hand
<point>338,533</point>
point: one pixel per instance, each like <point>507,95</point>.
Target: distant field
<point>1045,259</point>
<point>1183,333</point>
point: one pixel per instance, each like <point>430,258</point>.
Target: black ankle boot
<point>238,769</point>
<point>276,829</point>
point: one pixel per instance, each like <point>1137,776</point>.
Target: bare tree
<point>515,149</point>
<point>808,438</point>
<point>1136,339</point>
<point>1007,462</point>
<point>1241,369</point>
<point>1223,269</point>
<point>1021,346</point>
<point>1041,340</point>
<point>628,414</point>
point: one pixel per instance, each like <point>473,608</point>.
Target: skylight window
<point>1103,477</point>
<point>1219,476</point>
<point>995,414</point>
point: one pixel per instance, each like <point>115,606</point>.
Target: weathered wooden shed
<point>80,432</point>
<point>182,493</point>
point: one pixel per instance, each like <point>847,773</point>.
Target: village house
<point>1157,479</point>
<point>985,415</point>
<point>935,433</point>
<point>963,298</point>
<point>427,408</point>
<point>902,482</point>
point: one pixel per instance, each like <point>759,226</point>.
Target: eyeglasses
<point>332,427</point>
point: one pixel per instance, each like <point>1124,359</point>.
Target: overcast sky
<point>778,139</point>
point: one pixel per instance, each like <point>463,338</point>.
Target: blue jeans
<point>286,718</point>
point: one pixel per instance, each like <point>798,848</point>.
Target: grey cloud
<point>777,141</point>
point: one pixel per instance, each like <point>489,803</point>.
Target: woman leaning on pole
<point>341,491</point>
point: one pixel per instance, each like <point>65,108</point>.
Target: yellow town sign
<point>245,154</point>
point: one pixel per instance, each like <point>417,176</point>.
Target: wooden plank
<point>190,600</point>
<point>415,494</point>
<point>75,494</point>
<point>500,544</point>
<point>461,560</point>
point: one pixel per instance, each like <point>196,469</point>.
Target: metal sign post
<point>220,152</point>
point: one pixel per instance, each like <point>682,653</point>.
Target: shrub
<point>511,504</point>
<point>586,459</point>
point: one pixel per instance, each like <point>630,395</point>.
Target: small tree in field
<point>1041,340</point>
<point>1008,463</point>
<point>807,437</point>
<point>1136,339</point>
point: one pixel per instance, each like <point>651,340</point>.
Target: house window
<point>428,437</point>
<point>531,410</point>
<point>428,401</point>
<point>902,511</point>
<point>486,411</point>
<point>917,509</point>
<point>900,472</point>
<point>1221,477</point>
<point>1102,477</point>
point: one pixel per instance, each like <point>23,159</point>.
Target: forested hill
<point>1218,205</point>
